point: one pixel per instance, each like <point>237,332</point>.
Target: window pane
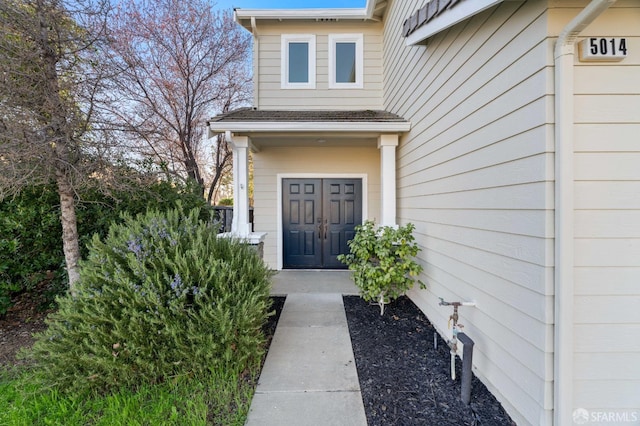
<point>345,62</point>
<point>298,62</point>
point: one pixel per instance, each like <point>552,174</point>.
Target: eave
<point>308,127</point>
<point>455,12</point>
<point>372,11</point>
<point>300,14</point>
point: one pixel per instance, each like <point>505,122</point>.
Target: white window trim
<point>284,60</point>
<point>358,39</point>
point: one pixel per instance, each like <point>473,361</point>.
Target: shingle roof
<point>256,115</point>
<point>422,16</point>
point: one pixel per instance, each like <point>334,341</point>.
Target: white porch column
<point>387,145</point>
<point>240,227</point>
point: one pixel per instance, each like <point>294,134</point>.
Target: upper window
<point>298,62</point>
<point>345,61</point>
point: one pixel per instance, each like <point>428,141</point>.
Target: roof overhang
<point>371,12</point>
<point>299,14</point>
<point>456,11</point>
<point>308,127</point>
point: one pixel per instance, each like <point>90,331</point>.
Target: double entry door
<point>319,217</point>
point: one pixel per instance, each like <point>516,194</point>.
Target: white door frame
<point>281,176</point>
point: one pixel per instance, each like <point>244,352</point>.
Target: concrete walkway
<point>309,376</point>
<point>311,281</point>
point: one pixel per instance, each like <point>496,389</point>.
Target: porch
<point>316,175</point>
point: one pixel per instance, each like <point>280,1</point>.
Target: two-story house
<point>507,132</point>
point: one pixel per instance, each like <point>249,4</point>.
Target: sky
<point>289,4</point>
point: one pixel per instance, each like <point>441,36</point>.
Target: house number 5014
<point>603,49</point>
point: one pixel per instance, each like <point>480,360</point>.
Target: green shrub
<point>381,260</point>
<point>31,234</point>
<point>225,202</point>
<point>30,242</point>
<point>98,210</point>
<point>161,297</point>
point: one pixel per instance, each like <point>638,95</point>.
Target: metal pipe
<point>467,362</point>
<point>454,349</point>
<point>453,343</point>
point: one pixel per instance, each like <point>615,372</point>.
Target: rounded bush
<point>161,297</point>
<point>382,261</point>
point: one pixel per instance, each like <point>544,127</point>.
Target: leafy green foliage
<point>31,234</point>
<point>161,297</point>
<point>98,210</point>
<point>382,262</point>
<point>30,242</point>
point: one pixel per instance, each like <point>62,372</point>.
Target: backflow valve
<point>467,349</point>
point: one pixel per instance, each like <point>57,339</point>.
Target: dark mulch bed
<point>24,318</point>
<point>403,378</point>
<point>269,327</point>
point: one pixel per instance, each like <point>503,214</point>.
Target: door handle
<point>320,229</point>
<point>325,229</point>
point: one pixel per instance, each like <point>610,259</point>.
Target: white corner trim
<point>564,243</point>
<point>449,18</point>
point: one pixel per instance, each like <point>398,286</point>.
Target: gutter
<point>298,14</point>
<point>564,209</point>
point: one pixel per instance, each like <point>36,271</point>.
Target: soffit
<point>309,127</point>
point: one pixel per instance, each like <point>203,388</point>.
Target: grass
<point>216,401</point>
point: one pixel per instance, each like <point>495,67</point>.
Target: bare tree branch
<point>177,63</point>
<point>48,84</point>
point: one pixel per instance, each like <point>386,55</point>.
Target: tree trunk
<point>70,243</point>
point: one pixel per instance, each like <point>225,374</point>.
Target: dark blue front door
<point>319,217</point>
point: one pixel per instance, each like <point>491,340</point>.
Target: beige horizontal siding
<point>606,280</point>
<point>311,161</point>
<point>475,175</point>
<point>272,96</point>
<point>607,218</point>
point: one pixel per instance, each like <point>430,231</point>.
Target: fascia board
<point>310,126</point>
<point>283,14</point>
<point>459,13</point>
